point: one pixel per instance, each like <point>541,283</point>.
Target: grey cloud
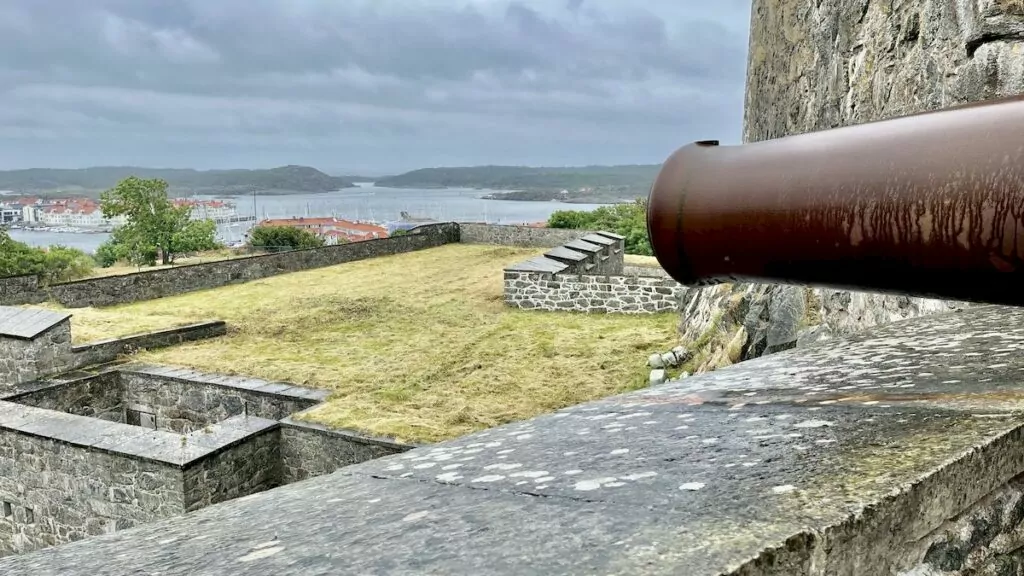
<point>373,84</point>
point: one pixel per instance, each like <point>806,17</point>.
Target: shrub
<point>282,238</point>
<point>628,220</point>
<point>55,264</point>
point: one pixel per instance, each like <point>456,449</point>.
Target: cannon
<point>929,204</point>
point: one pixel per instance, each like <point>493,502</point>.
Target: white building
<point>86,217</point>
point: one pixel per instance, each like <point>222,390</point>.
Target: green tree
<point>282,238</point>
<point>196,236</point>
<point>628,220</point>
<point>155,228</point>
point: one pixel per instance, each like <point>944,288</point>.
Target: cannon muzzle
<point>930,204</point>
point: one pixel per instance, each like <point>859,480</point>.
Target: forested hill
<point>525,178</point>
<point>85,180</point>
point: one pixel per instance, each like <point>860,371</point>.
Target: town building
<point>332,230</point>
<point>216,210</point>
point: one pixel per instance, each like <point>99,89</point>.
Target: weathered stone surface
<point>872,454</point>
<point>236,468</point>
<point>17,290</point>
<point>26,359</point>
<point>62,490</point>
<point>309,450</point>
<point>594,294</point>
<point>210,444</point>
<point>100,396</point>
<point>657,377</point>
<point>184,400</point>
<point>816,65</point>
<point>594,283</point>
<point>524,236</point>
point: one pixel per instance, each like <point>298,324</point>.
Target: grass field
<point>417,346</point>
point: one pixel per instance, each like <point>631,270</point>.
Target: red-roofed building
<point>208,209</point>
<point>332,230</point>
<point>73,212</point>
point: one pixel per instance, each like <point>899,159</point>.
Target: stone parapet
<point>588,274</point>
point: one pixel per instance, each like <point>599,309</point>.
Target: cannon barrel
<point>930,204</point>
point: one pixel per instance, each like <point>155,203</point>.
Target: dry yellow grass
<point>212,256</point>
<point>417,346</point>
<point>648,261</point>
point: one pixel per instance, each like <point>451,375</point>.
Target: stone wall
<point>587,275</point>
<point>96,396</point>
<point>65,477</point>
<point>820,64</point>
<point>183,401</point>
<point>589,293</point>
<point>55,489</point>
<point>525,236</point>
<point>103,351</point>
<point>74,464</point>
<point>309,450</point>
<point>26,359</point>
<point>238,470</point>
<point>152,284</point>
<point>51,353</point>
<point>816,65</point>
<point>18,290</point>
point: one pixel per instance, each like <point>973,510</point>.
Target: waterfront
<point>365,202</point>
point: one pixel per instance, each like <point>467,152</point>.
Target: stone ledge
<point>127,440</point>
<point>102,351</point>
<point>240,383</point>
<point>538,264</point>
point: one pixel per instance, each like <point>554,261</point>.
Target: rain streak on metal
<point>930,204</point>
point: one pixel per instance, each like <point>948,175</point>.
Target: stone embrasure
<point>892,452</point>
<point>587,275</point>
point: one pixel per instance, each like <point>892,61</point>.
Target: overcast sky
<point>366,85</point>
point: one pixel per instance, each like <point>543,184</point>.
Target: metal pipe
<point>930,204</point>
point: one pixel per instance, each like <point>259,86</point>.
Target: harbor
<point>390,208</point>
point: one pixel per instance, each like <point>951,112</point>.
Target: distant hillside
<point>226,182</point>
<point>545,183</point>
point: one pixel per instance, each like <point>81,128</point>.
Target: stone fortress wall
<point>49,350</point>
<point>587,274</point>
<point>150,284</point>
<point>102,452</point>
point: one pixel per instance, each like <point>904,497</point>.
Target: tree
<point>629,220</point>
<point>196,236</point>
<point>281,238</point>
<point>155,228</point>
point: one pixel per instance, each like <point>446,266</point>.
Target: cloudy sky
<point>366,85</point>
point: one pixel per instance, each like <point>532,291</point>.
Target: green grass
<point>416,346</point>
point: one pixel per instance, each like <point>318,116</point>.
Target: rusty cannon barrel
<point>929,204</point>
